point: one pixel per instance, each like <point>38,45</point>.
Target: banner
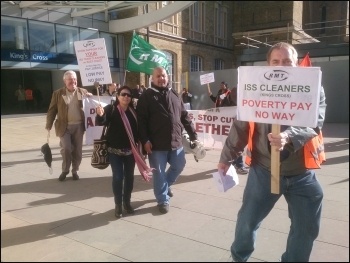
<point>212,125</point>
<point>89,105</point>
<point>143,57</point>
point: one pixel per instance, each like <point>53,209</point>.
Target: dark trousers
<point>123,177</point>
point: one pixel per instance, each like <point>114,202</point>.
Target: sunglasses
<point>125,94</point>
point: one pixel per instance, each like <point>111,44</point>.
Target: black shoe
<point>163,208</point>
<point>170,193</point>
<point>242,170</point>
<point>75,176</point>
<point>63,176</point>
<point>118,211</point>
<point>128,208</point>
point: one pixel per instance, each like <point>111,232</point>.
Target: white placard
<point>279,95</point>
<point>93,61</point>
<point>207,78</point>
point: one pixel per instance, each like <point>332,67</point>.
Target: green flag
<point>143,57</point>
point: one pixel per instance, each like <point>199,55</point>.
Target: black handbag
<point>99,158</point>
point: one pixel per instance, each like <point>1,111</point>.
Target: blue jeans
<point>303,194</point>
<point>123,177</point>
<point>162,178</point>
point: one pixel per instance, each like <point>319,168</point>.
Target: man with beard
<point>161,118</point>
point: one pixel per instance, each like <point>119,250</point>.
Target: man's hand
<point>223,167</point>
<point>279,140</point>
<point>148,147</point>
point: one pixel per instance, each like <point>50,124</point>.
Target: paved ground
<point>43,219</point>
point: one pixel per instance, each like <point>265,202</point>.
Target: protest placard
<point>206,79</point>
<point>278,96</point>
<point>93,61</point>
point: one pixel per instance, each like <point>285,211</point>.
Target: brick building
<point>213,35</point>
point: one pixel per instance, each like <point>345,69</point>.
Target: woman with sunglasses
<point>119,148</point>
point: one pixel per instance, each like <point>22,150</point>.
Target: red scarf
<point>145,171</point>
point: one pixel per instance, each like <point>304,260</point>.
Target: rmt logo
<point>89,44</point>
<point>276,74</point>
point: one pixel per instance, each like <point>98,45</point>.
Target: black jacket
<point>162,117</point>
<point>117,136</point>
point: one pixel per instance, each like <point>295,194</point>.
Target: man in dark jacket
<point>162,118</point>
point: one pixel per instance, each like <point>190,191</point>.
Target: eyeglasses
<point>125,94</point>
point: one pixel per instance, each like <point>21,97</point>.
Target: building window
<point>109,40</point>
<point>65,38</point>
<point>197,21</point>
<point>14,33</point>
<point>220,24</point>
<point>42,36</point>
<point>196,63</point>
<point>218,64</point>
<point>170,24</point>
<point>88,34</point>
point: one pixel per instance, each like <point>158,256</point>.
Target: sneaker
<point>163,208</point>
<point>75,176</point>
<point>242,170</point>
<point>63,176</point>
<point>170,193</point>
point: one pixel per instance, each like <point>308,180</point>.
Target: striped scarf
<point>145,171</point>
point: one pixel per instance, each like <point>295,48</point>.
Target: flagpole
<point>124,78</point>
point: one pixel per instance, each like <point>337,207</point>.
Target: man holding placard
<point>301,150</point>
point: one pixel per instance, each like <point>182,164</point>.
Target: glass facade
<point>50,38</point>
<point>41,36</point>
<point>14,33</point>
<point>65,38</point>
<point>49,49</point>
<point>86,34</point>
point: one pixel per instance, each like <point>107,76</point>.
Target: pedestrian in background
<point>29,99</point>
<point>186,99</point>
<point>222,98</point>
<point>66,111</point>
<point>111,90</point>
<point>21,98</point>
<point>301,150</point>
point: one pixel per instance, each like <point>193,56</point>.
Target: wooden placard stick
<point>209,91</point>
<point>98,92</point>
<point>275,163</point>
